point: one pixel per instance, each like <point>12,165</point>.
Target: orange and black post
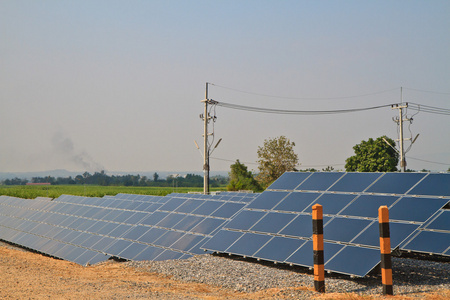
<point>385,249</point>
<point>319,269</point>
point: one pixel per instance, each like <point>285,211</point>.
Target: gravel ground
<point>411,276</point>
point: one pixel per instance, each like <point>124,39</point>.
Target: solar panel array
<point>277,225</point>
<point>89,230</point>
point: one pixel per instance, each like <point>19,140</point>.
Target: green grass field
<point>54,191</point>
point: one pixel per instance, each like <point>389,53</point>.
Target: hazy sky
<point>117,85</point>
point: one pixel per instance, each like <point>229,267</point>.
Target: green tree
<point>242,179</point>
<point>373,156</point>
<point>328,169</point>
<point>276,156</point>
<point>155,177</point>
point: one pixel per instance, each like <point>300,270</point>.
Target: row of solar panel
<point>92,224</point>
<point>433,236</point>
<point>282,215</point>
<point>97,208</point>
<point>426,184</point>
<point>411,209</point>
<point>226,196</point>
<point>340,258</point>
<point>274,225</point>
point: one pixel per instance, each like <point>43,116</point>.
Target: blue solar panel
<point>332,203</point>
<point>132,250</point>
<point>433,185</point>
<point>208,226</point>
<point>273,222</point>
<point>248,244</point>
<point>222,240</point>
<point>354,261</point>
<point>441,222</point>
<point>245,220</point>
<point>275,225</point>
<point>429,242</point>
<point>416,209</point>
<point>344,229</point>
<point>320,181</point>
<point>398,233</point>
<point>304,255</point>
<point>350,203</point>
<point>355,182</point>
<point>267,200</point>
<point>367,205</point>
<point>279,249</point>
<point>227,210</point>
<point>395,183</point>
<point>295,202</point>
<point>289,181</point>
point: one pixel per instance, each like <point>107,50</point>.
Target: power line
<point>252,163</point>
<point>425,91</point>
<point>429,109</point>
<point>233,161</point>
<point>304,98</point>
<point>294,112</point>
<point>428,161</point>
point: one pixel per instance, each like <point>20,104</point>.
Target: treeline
<point>101,178</point>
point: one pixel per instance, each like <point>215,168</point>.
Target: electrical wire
<point>429,109</point>
<point>428,161</point>
<point>252,163</point>
<point>424,91</point>
<point>296,112</point>
<point>304,98</point>
<point>233,161</point>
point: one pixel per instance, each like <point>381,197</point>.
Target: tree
<point>373,156</point>
<point>155,177</point>
<point>328,169</point>
<point>242,179</point>
<point>276,157</point>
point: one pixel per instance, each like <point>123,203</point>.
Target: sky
<point>117,85</point>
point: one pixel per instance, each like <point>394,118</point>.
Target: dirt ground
<point>27,275</point>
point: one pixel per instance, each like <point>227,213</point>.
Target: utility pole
<point>207,151</point>
<point>399,120</point>
<point>205,145</point>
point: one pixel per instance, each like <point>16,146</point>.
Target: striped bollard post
<point>385,249</point>
<point>319,269</point>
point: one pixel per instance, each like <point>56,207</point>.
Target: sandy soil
<point>27,275</point>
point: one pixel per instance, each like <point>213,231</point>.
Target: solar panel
<point>275,225</point>
<point>273,222</point>
<point>126,224</point>
<point>367,205</point>
<point>355,182</point>
<point>289,181</point>
<point>303,257</point>
<point>278,249</point>
<point>319,181</point>
<point>353,260</point>
<point>248,244</point>
<point>416,209</point>
<point>433,185</point>
<point>282,216</point>
<point>440,222</point>
<point>432,242</point>
<point>395,183</point>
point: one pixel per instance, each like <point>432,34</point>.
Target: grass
<point>54,191</point>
